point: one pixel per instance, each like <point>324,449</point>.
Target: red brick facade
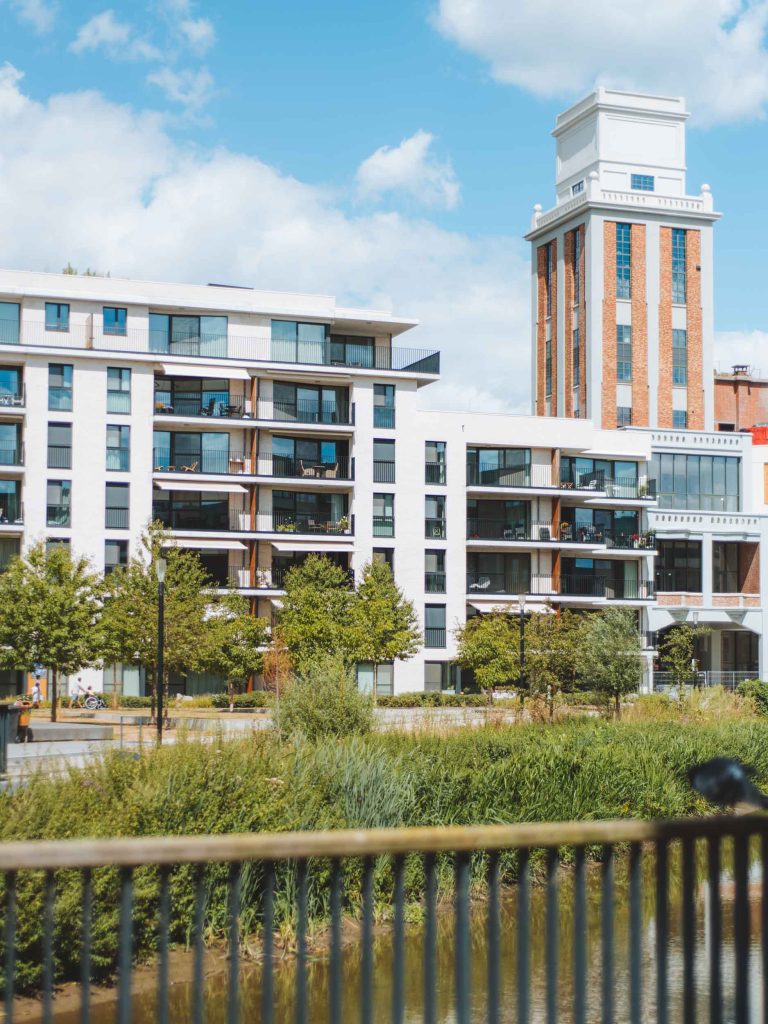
<point>749,568</point>
<point>568,318</point>
<point>609,326</point>
<point>575,316</point>
<point>541,328</point>
<point>695,339</point>
<point>664,408</point>
<point>741,401</point>
<point>639,306</point>
<point>583,321</point>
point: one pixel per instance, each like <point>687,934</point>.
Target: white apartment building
<point>262,426</point>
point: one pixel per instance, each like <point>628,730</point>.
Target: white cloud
<point>192,89</point>
<point>199,33</point>
<point>102,30</point>
<point>40,14</point>
<point>711,51</point>
<point>742,347</point>
<point>133,200</point>
<point>409,168</point>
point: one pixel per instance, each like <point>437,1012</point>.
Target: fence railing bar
<point>125,947</point>
<point>741,924</point>
<point>662,932</point>
<point>267,940</point>
<point>336,905</point>
<point>398,957</point>
<point>552,926</point>
<point>606,935</point>
<point>85,948</point>
<point>523,938</point>
<point>233,944</point>
<point>635,934</point>
<point>164,923</point>
<point>714,930</point>
<point>461,939</point>
<point>9,938</point>
<point>580,936</point>
<point>494,940</point>
<point>688,931</point>
<point>198,983</point>
<point>49,908</point>
<point>430,939</point>
<point>301,943</point>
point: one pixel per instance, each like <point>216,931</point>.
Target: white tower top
<point>631,141</point>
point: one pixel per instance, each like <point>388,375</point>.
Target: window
<point>437,676</point>
<point>623,416</point>
<point>497,573</point>
<point>384,405</point>
<point>60,387</point>
<point>725,568</point>
<point>115,321</point>
<point>728,428</point>
<point>56,542</point>
<point>623,260</point>
<point>59,503</point>
<point>383,674</point>
<point>678,265</point>
<point>576,358</point>
<point>117,506</point>
<point>59,445</point>
<point>550,271</point>
<point>383,515</point>
<point>304,512</point>
<point>118,447</point>
<point>706,482</point>
<point>56,316</point>
<point>383,462</point>
<point>115,554</point>
<point>11,451</point>
<point>434,462</point>
<point>294,342</point>
<point>678,566</point>
<point>434,516</point>
<point>192,452</point>
<point>194,510</point>
<point>188,396</point>
<point>11,386</point>
<point>11,509</point>
<point>623,352</point>
<point>306,457</point>
<point>118,389</point>
<point>386,556</point>
<point>9,323</point>
<point>577,187</point>
<point>548,369</point>
<point>488,519</point>
<point>355,350</point>
<point>10,548</point>
<point>434,572</point>
<point>499,467</point>
<point>188,335</point>
<point>434,625</point>
<point>643,183</point>
<point>680,357</point>
<point>680,419</point>
<point>302,403</point>
<point>576,267</point>
<point>591,474</point>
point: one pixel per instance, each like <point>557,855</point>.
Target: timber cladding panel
<point>609,326</point>
<point>664,408</point>
<point>694,322</point>
<point>639,306</point>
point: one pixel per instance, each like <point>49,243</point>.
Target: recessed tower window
<point>643,182</point>
<point>623,260</point>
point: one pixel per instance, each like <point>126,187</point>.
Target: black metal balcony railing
<point>59,456</point>
<point>119,459</point>
<point>116,518</point>
<point>305,411</point>
<point>490,474</point>
<point>501,529</point>
<point>383,471</point>
<point>434,473</point>
<point>119,401</point>
<point>217,519</point>
<point>11,511</point>
<point>434,582</point>
<point>384,417</point>
<point>13,399</point>
<point>305,522</point>
<point>229,463</point>
<point>499,583</point>
<point>239,347</point>
<point>217,408</point>
<point>435,636</point>
<point>340,468</point>
<point>619,487</point>
<point>631,541</point>
<point>435,528</point>
<point>677,581</point>
<point>383,526</point>
<point>58,515</point>
<point>12,455</point>
<point>570,585</point>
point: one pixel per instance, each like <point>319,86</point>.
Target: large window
<point>307,457</point>
<point>679,357</point>
<point>498,520</point>
<point>118,447</point>
<point>194,452</point>
<point>434,625</point>
<point>10,548</point>
<point>59,503</point>
<point>117,506</point>
<point>499,467</point>
<point>642,182</point>
<point>115,555</point>
<point>115,322</point>
<point>59,445</point>
<point>304,403</point>
<point>623,261</point>
<point>678,566</point>
<point>598,526</point>
<point>11,452</point>
<point>9,323</point>
<point>195,510</point>
<point>498,573</point>
<point>302,512</point>
<point>706,482</point>
<point>56,316</point>
<point>294,342</point>
<point>383,515</point>
<point>384,675</point>
<point>438,676</point>
<point>188,335</point>
<point>623,352</point>
<point>118,389</point>
<point>434,516</point>
<point>678,265</point>
<point>384,405</point>
<point>190,396</point>
<point>434,462</point>
<point>60,387</point>
<point>383,461</point>
<point>725,567</point>
<point>594,474</point>
<point>11,509</point>
<point>434,572</point>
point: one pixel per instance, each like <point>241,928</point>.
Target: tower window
<point>623,260</point>
<point>550,272</point>
<point>680,358</point>
<point>576,267</point>
<point>577,187</point>
<point>623,352</point>
<point>678,265</point>
<point>548,370</point>
<point>623,416</point>
<point>680,419</point>
<point>576,358</point>
<point>643,182</point>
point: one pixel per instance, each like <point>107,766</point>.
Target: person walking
<point>36,695</point>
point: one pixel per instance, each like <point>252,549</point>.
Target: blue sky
<point>245,142</point>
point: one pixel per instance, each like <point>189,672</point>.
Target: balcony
<point>342,468</point>
<point>12,512</point>
<point>306,411</point>
<point>225,463</point>
<point>194,408</point>
<point>12,455</point>
<point>13,400</point>
<point>543,585</point>
<point>199,520</point>
<point>305,522</point>
<point>434,582</point>
<point>630,488</point>
<point>238,347</point>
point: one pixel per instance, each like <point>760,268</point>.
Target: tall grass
<point>583,769</point>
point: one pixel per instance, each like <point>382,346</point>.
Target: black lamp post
<point>161,566</point>
<point>521,620</point>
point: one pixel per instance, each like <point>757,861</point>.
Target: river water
<point>318,974</point>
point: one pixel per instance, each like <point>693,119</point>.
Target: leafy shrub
<point>324,700</point>
<point>256,699</point>
<point>757,691</point>
<point>128,701</point>
<point>433,699</point>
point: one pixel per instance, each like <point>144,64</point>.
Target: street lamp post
<point>521,620</point>
<point>161,566</point>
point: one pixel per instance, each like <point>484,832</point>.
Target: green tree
<point>50,611</point>
<point>611,653</point>
<point>315,617</point>
<point>552,645</point>
<point>234,641</point>
<point>489,645</point>
<point>130,612</point>
<point>676,652</point>
<point>323,700</point>
<point>384,624</point>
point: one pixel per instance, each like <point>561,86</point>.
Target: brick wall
<point>541,328</point>
<point>608,402</point>
<point>639,305</point>
<point>695,339</point>
<point>568,322</point>
<point>582,313</point>
<point>742,401</point>
<point>553,335</point>
<point>664,400</point>
<point>749,568</point>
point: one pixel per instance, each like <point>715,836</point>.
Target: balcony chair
<point>332,471</point>
<point>482,584</point>
<point>210,409</point>
<point>306,470</point>
<point>191,468</point>
<point>545,533</point>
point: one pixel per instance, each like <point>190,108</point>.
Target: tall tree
<point>552,644</point>
<point>489,645</point>
<point>234,640</point>
<point>50,611</point>
<point>611,653</point>
<point>130,612</point>
<point>676,651</point>
<point>315,616</point>
<point>384,623</point>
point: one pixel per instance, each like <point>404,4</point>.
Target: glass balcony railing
<point>217,519</point>
<point>435,528</point>
<point>569,585</point>
<point>223,406</point>
<point>434,473</point>
<point>13,399</point>
<point>11,510</point>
